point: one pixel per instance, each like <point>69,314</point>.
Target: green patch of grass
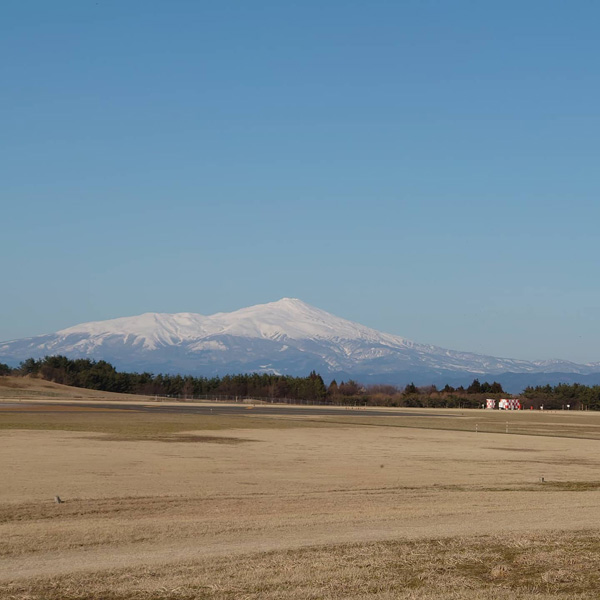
<point>569,486</point>
<point>548,486</point>
<point>572,425</point>
<point>141,425</point>
<point>178,438</point>
<point>25,393</point>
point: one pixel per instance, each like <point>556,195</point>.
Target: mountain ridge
<point>288,336</point>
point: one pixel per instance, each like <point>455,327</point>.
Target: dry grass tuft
<point>500,571</point>
<point>559,576</point>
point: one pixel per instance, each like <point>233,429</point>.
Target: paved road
<point>230,409</point>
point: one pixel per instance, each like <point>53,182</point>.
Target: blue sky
<point>426,168</point>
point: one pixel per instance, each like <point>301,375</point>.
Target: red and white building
<point>504,404</point>
<point>509,404</point>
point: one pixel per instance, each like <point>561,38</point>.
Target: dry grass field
<point>180,506</point>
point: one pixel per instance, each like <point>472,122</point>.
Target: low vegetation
<point>263,504</point>
<point>102,376</point>
<point>118,425</point>
<point>540,567</point>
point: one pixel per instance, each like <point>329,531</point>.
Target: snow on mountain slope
<point>290,318</point>
<point>287,336</point>
<point>286,319</point>
<point>150,330</point>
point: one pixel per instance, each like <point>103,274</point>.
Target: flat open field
<point>273,502</point>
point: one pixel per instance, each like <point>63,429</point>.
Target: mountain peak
<point>287,318</point>
<point>285,336</point>
<point>289,303</point>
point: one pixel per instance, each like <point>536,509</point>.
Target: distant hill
<point>285,337</point>
<point>32,388</point>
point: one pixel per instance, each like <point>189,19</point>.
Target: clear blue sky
<point>427,168</point>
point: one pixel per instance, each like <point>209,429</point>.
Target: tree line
<point>101,375</point>
<point>573,396</point>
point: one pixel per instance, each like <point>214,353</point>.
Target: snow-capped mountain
<point>288,336</point>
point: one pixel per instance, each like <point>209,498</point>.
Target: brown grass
<point>578,424</point>
<point>549,566</point>
<point>315,507</point>
<point>120,424</point>
<point>34,388</point>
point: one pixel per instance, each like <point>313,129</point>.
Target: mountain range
<point>286,337</point>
